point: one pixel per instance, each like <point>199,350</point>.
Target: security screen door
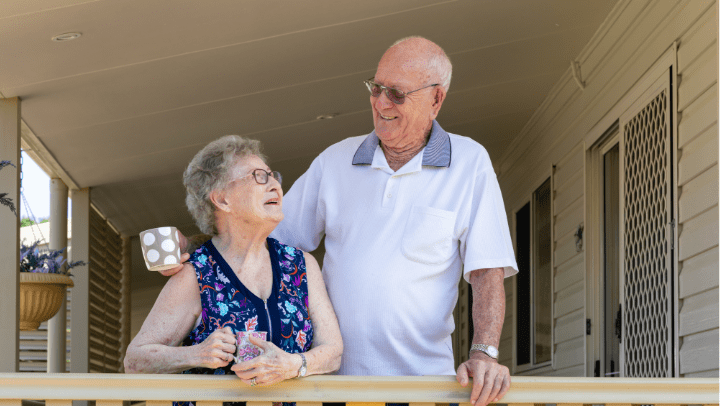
<point>647,233</point>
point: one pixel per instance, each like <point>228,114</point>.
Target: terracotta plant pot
<point>41,295</point>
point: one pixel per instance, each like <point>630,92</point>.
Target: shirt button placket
<point>390,187</point>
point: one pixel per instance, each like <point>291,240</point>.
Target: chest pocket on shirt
<point>428,236</point>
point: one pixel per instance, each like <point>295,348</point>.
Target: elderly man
<point>405,211</point>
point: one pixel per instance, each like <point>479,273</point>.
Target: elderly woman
<point>240,280</point>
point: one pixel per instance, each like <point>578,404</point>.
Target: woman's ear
<point>219,199</point>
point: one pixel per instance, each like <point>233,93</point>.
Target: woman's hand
<point>217,350</point>
<point>273,366</point>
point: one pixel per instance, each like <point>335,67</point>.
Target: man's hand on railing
<point>491,380</point>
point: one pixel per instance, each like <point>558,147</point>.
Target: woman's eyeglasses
<point>262,176</point>
<point>395,96</point>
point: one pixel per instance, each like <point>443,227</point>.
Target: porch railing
<point>160,390</point>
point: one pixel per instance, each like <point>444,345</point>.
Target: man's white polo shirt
<point>397,243</point>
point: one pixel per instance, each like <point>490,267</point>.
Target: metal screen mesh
<point>647,333</point>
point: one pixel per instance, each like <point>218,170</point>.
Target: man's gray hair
<point>210,170</point>
<point>438,62</point>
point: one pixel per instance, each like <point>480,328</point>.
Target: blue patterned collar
<point>438,151</point>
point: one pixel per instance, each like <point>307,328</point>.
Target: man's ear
<point>438,99</point>
<point>218,198</point>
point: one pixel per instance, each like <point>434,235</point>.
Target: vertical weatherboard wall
<point>633,37</point>
<point>697,61</point>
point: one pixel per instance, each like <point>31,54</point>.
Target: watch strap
<point>491,351</point>
<point>303,368</point>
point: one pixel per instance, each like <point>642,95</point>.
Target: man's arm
<point>490,380</point>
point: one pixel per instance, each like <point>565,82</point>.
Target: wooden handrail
<point>330,388</point>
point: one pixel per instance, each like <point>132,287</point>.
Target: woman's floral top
<point>227,302</point>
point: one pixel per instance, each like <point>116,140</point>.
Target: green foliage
<point>6,201</point>
<point>25,221</point>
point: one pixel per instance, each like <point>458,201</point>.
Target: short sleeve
<point>486,242</point>
<point>304,223</point>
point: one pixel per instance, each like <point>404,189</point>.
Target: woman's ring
<point>252,382</point>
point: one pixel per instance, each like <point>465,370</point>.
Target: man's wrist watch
<point>303,368</point>
<point>490,350</point>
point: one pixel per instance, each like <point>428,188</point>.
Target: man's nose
<point>383,101</point>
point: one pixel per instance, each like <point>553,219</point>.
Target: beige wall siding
<point>635,35</point>
<point>698,197</point>
<point>569,285</point>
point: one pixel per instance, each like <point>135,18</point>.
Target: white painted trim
<point>668,59</point>
<point>35,148</point>
<point>674,142</point>
<point>595,236</point>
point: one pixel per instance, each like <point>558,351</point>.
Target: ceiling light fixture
<point>68,36</point>
<point>326,116</point>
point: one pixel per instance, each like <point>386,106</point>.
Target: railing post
<point>57,325</point>
<point>10,236</point>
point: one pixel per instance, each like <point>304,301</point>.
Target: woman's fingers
<point>219,348</point>
<point>249,364</point>
<point>265,345</point>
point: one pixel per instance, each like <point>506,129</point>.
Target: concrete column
<point>57,326</point>
<point>80,323</point>
<point>10,236</point>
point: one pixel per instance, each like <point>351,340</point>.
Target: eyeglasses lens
<point>277,176</point>
<point>395,96</point>
<point>261,176</point>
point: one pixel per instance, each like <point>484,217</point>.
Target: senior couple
<point>406,211</point>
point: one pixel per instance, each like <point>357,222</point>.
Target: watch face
<point>303,371</point>
<point>492,351</point>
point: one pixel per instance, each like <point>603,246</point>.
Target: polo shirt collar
<point>437,152</point>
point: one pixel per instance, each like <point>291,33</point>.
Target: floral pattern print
<point>227,302</point>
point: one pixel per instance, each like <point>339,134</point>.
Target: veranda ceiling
<point>124,108</point>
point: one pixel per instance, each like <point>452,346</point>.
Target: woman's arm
<point>327,345</point>
<point>155,349</point>
<point>276,365</point>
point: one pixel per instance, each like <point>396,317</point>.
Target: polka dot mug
<point>161,248</point>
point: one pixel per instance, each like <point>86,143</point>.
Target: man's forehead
<point>398,72</point>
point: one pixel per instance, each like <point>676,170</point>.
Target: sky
<point>36,188</point>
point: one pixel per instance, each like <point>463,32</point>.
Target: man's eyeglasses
<point>395,96</point>
<point>262,176</point>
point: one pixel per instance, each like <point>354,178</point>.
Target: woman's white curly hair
<point>209,171</point>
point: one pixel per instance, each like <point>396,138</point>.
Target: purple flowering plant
<point>35,260</point>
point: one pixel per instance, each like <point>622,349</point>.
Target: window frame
<point>529,199</point>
